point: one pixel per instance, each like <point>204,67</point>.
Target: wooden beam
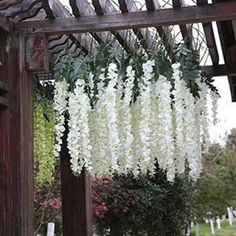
<point>227,38</point>
<point>184,28</point>
<point>74,7</point>
<point>210,38</point>
<point>165,37</point>
<point>118,21</point>
<point>5,24</point>
<point>143,37</point>
<point>109,8</point>
<point>219,70</point>
<point>76,198</point>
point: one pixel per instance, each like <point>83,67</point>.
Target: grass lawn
<point>226,230</point>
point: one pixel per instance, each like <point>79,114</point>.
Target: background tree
<point>217,186</point>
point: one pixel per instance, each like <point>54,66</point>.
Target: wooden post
<point>76,198</point>
<point>16,165</point>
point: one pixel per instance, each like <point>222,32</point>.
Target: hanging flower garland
<point>128,117</point>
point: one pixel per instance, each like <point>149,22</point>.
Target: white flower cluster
<point>165,124</point>
<point>79,133</point>
<point>60,106</point>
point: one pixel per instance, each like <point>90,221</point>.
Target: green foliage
<point>43,134</point>
<point>44,143</point>
<point>73,69</point>
<point>144,205</point>
<point>217,185</point>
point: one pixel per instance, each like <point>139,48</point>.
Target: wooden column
<point>16,165</point>
<point>76,198</point>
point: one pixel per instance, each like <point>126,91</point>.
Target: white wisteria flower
<point>60,106</point>
<point>79,134</point>
<point>112,115</point>
<point>145,129</point>
<point>165,130</point>
<point>122,125</point>
<point>180,112</point>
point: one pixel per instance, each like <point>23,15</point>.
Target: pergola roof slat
<point>185,29</point>
<point>165,37</point>
<point>8,3</point>
<point>143,35</point>
<point>108,7</point>
<point>75,9</point>
<point>210,38</point>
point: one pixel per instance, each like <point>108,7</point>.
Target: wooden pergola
<point>33,32</point>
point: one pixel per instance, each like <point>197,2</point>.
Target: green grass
<point>226,230</point>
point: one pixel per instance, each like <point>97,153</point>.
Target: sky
<point>226,108</point>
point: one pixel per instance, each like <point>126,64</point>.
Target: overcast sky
<point>227,109</point>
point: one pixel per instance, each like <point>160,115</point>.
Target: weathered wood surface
<point>228,42</point>
<point>118,21</point>
<point>16,165</point>
<point>220,70</point>
<point>37,55</point>
<point>76,199</point>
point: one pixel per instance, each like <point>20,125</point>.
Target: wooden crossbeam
<point>5,24</point>
<point>118,21</point>
<point>220,70</point>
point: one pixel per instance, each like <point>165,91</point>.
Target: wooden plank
<point>5,24</point>
<point>210,38</point>
<point>76,198</point>
<point>118,21</point>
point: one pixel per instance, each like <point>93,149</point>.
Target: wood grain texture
<point>220,70</point>
<point>133,20</point>
<point>228,41</point>
<point>16,163</point>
